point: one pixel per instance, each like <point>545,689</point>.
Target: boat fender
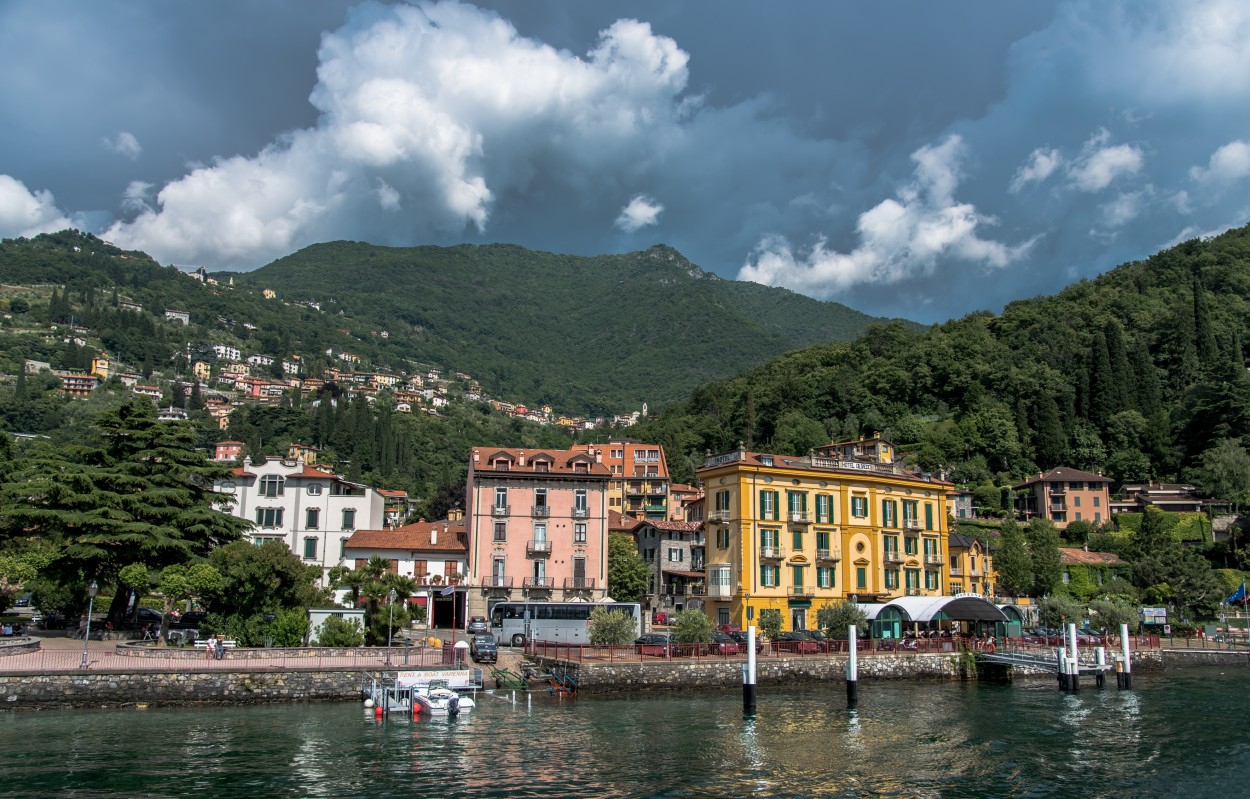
<point>989,648</point>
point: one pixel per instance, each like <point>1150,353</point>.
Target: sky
<point>914,159</point>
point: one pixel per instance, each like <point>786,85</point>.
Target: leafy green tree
<point>339,632</point>
<point>611,627</point>
<point>1079,531</point>
<point>692,627</point>
<point>144,497</point>
<point>257,582</point>
<point>770,623</point>
<point>1057,611</point>
<point>180,583</point>
<point>1109,614</point>
<point>836,618</point>
<point>1012,561</point>
<point>628,575</point>
<point>1043,545</point>
<point>1224,472</point>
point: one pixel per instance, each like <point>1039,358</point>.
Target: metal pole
<point>852,666</point>
<point>748,674</point>
<point>1124,679</point>
<point>390,627</point>
<point>86,639</point>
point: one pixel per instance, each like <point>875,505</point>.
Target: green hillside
<point>593,335</point>
<point>1137,373</point>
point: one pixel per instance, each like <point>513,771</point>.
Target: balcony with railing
<point>913,591</point>
<point>581,513</point>
<point>828,554</point>
<point>772,552</point>
<point>910,525</point>
<point>541,511</point>
<point>933,561</point>
<point>721,515</point>
<point>497,581</point>
<point>719,591</point>
<point>579,583</point>
<point>957,571</point>
<point>500,510</point>
<point>538,548</point>
<point>799,517</point>
<point>801,592</point>
<point>893,556</point>
<point>538,583</point>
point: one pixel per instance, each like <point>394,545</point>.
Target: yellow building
<point>793,534</point>
<point>100,367</point>
<point>971,566</point>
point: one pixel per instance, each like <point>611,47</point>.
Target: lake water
<point>1185,734</point>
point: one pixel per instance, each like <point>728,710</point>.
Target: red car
<point>722,644</point>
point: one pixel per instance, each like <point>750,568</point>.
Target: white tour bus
<point>565,622</point>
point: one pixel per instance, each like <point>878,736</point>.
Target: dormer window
<point>542,466</point>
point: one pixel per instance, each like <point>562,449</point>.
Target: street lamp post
<point>92,590</point>
<point>390,627</point>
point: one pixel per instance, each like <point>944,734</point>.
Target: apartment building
<point>1065,495</point>
<point>971,566</point>
<point>792,534</point>
<point>640,481</point>
<point>537,522</point>
<point>312,511</point>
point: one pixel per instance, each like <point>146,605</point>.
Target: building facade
<point>1064,495</point>
<point>793,534</point>
<point>640,481</point>
<point>537,522</point>
<point>971,566</point>
<point>434,554</point>
<point>676,554</point>
<point>312,511</point>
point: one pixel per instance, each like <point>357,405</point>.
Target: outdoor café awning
<point>924,609</point>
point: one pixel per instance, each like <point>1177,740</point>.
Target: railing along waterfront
<point>136,658</point>
<point>651,653</point>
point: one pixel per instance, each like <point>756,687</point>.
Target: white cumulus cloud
<point>125,144</point>
<point>1042,164</point>
<point>900,238</point>
<point>27,213</point>
<point>639,213</point>
<point>442,104</point>
<point>1229,163</point>
<point>1100,163</point>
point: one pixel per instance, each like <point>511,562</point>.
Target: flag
<point>1239,595</point>
<point>451,589</point>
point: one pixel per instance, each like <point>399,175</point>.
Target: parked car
<point>478,626</point>
<point>797,642</point>
<point>148,616</point>
<point>728,628</point>
<point>192,618</point>
<point>658,644</point>
<point>723,644</point>
<point>483,650</point>
<point>741,637</point>
<point>661,617</point>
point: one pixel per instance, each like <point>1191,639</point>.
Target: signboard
<point>1154,615</point>
<point>455,678</point>
<point>863,467</point>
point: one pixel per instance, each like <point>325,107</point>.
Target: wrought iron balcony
<point>772,552</point>
<point>913,592</point>
<point>802,592</point>
<point>581,513</point>
<point>911,524</point>
<point>799,517</point>
<point>497,581</point>
<point>932,563</point>
<point>538,549</point>
<point>500,510</point>
<point>893,556</point>
<point>721,515</point>
<point>579,583</point>
<point>828,554</point>
<point>538,583</point>
<point>540,511</point>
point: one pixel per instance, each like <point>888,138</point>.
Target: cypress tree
<point>1050,440</point>
<point>1121,374</point>
<point>1204,335</point>
<point>1102,392</point>
<point>1146,393</point>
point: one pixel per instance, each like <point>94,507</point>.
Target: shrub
<point>692,627</point>
<point>336,631</point>
<point>611,627</point>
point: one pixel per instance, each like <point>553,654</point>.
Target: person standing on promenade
<point>210,648</point>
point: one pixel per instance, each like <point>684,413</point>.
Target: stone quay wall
<point>678,675</point>
<point>1184,658</point>
<point>35,691</point>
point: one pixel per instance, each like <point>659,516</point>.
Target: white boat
<point>439,700</point>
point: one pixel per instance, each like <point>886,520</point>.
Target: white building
<point>435,554</point>
<point>312,511</point>
<point>227,353</point>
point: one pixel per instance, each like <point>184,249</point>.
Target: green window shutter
<point>928,516</point>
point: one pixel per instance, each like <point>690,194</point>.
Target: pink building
<point>537,522</point>
<point>229,451</point>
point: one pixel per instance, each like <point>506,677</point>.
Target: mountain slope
<point>596,335</point>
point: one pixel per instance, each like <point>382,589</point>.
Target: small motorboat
<point>439,700</point>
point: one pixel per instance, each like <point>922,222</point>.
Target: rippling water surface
<point>1185,734</point>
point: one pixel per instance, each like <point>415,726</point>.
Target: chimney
<point>433,535</point>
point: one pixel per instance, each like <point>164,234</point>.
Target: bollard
<point>1061,662</point>
<point>1124,677</point>
<point>852,667</point>
<point>1074,666</point>
<point>1100,657</point>
<point>748,675</point>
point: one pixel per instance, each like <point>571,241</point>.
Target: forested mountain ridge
<point>588,333</point>
<point>588,336</point>
<point>1137,373</point>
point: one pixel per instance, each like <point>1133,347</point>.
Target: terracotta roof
<point>414,537</point>
<point>310,471</point>
<point>676,527</point>
<point>1073,555</point>
<point>238,471</point>
<point>683,488</point>
<point>392,492</point>
<point>622,523</point>
<point>1065,474</point>
<point>558,462</point>
<point>683,573</point>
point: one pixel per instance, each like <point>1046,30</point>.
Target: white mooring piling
<point>748,674</point>
<point>852,666</point>
<point>1124,669</point>
<point>1074,665</point>
<point>1100,658</point>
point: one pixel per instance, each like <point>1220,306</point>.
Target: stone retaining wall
<point>1181,658</point>
<point>27,692</point>
<point>18,646</point>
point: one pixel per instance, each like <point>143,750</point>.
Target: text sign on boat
<point>455,678</point>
